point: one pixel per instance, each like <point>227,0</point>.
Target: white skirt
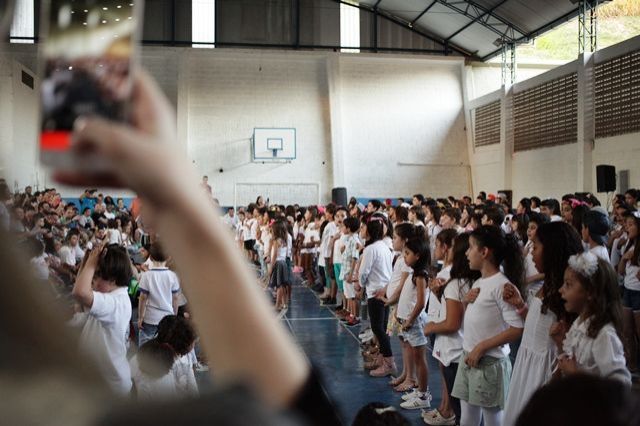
<point>534,362</point>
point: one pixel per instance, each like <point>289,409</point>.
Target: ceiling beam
<point>502,28</point>
<point>389,17</point>
<point>423,12</point>
<point>482,16</point>
<point>538,31</point>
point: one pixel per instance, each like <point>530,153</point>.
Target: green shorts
<point>336,268</point>
<point>486,386</point>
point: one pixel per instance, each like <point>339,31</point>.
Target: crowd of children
<point>97,254</point>
<point>506,300</point>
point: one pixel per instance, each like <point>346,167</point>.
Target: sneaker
<point>200,367</point>
<point>417,402</point>
<point>434,418</point>
<point>430,413</point>
<point>409,395</point>
<point>365,333</point>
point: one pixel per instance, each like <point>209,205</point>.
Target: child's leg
<point>420,361</point>
<point>471,414</point>
<point>444,404</point>
<point>629,338</point>
<point>492,416</point>
<point>449,375</point>
<point>279,298</point>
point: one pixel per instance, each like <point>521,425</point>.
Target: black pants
<point>449,374</point>
<point>379,317</point>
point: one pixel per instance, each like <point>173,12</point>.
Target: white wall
<point>404,111</point>
<point>623,152</point>
<point>487,77</point>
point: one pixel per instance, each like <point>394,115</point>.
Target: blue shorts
<point>631,299</point>
<point>414,336</point>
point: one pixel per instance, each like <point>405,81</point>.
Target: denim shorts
<point>146,333</point>
<point>631,299</point>
<point>414,336</point>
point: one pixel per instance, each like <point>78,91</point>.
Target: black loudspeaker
<point>605,178</point>
<point>339,196</point>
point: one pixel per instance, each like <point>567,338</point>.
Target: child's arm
<point>142,306</point>
<point>82,290</point>
<point>421,287</point>
<point>453,321</point>
<point>396,294</point>
<point>175,300</point>
<point>509,335</point>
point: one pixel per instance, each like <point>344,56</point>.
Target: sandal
<point>404,386</point>
<point>395,381</point>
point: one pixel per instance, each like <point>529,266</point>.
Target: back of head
<point>505,252</point>
<point>157,253</point>
<point>177,332</point>
<point>559,241</point>
<point>114,265</point>
<point>495,214</point>
<point>156,358</point>
<point>598,226</point>
<point>379,414</point>
<point>585,400</point>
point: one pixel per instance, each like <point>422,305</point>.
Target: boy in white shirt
<point>595,227</point>
<point>101,290</point>
<point>159,295</point>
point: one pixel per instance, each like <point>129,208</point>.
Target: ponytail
<point>505,252</point>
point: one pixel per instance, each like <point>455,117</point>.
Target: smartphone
<point>86,63</point>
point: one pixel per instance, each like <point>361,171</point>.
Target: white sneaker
<point>429,413</point>
<point>365,333</point>
<point>409,395</point>
<point>434,418</point>
<point>417,402</point>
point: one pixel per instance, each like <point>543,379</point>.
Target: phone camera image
<point>86,61</point>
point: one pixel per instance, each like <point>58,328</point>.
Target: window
<point>23,22</point>
<point>350,28</point>
<point>203,24</point>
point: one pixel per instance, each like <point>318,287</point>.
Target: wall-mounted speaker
<point>605,178</point>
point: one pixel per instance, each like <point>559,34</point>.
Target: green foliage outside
<point>618,21</point>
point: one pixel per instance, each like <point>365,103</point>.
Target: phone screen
<point>86,65</point>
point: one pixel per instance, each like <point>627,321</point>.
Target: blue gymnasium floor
<point>334,349</point>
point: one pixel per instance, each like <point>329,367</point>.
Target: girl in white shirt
<point>178,332</point>
<point>592,344</point>
<point>375,274</point>
<point>150,371</point>
<point>447,348</point>
<point>433,226</point>
<point>629,268</point>
<point>412,317</point>
<point>490,324</point>
<point>278,269</point>
<point>401,234</point>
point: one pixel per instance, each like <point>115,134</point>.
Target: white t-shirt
<point>530,267</point>
<point>67,255</point>
<point>489,315</point>
<point>40,267</point>
<point>408,299</point>
<point>246,229</point>
<point>329,232</point>
<point>104,337</point>
<point>289,245</point>
<point>253,228</point>
<point>337,250</point>
<point>149,388</point>
<point>555,218</point>
<point>434,303</point>
<point>183,376</point>
<point>375,267</point>
<point>631,280</point>
<point>601,252</point>
<point>310,233</point>
<point>396,275</point>
<point>602,356</point>
<point>448,347</point>
<point>159,284</point>
<point>115,237</point>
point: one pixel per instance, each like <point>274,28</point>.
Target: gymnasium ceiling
<point>474,27</point>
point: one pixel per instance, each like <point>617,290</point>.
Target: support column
<point>506,136</point>
<point>335,116</point>
<point>586,122</point>
<point>182,101</point>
